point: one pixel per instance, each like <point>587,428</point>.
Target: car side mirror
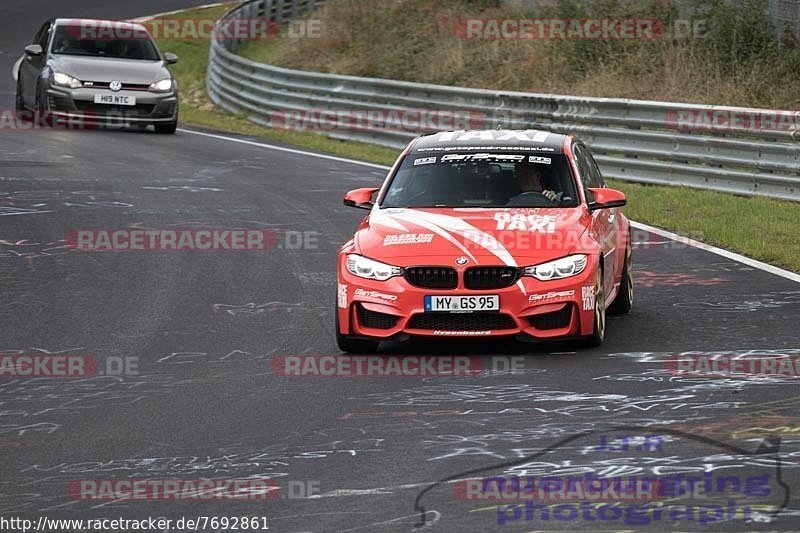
<point>170,58</point>
<point>604,198</point>
<point>33,50</point>
<point>360,198</point>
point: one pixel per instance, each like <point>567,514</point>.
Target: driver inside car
<point>529,179</point>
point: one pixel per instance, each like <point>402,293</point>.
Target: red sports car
<point>485,234</point>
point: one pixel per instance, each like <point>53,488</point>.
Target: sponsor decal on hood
<point>510,236</point>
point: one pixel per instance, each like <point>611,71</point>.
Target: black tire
<point>350,344</point>
<point>19,102</point>
<point>40,109</point>
<point>599,327</point>
<point>167,128</point>
<point>624,300</point>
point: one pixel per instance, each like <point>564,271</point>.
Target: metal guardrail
<point>633,140</point>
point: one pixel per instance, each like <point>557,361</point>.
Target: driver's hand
<point>550,195</point>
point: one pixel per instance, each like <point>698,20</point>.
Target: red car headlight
<point>560,268</point>
<point>363,267</point>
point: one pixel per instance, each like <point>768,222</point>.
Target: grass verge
<point>760,228</point>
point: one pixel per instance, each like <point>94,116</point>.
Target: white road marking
<point>165,13</point>
<point>284,149</point>
<point>777,271</point>
<point>719,251</point>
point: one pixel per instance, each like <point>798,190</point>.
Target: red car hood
<point>510,236</point>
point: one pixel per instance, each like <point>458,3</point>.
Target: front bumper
<point>530,309</point>
<point>77,106</point>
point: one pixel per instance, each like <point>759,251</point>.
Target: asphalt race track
<point>360,454</point>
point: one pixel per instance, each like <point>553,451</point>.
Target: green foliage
<point>739,32</point>
<point>584,55</point>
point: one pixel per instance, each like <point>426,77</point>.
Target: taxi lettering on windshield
<point>492,135</point>
<point>534,223</point>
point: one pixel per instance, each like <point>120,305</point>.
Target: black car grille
<point>373,319</point>
<point>59,103</point>
<point>125,86</point>
<point>554,320</point>
<point>490,277</point>
<point>432,277</point>
<point>121,111</point>
<point>461,321</point>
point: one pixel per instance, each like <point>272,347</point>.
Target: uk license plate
<point>114,99</point>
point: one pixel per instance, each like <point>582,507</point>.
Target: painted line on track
<point>165,13</point>
<point>284,149</point>
<point>777,271</point>
<point>719,251</point>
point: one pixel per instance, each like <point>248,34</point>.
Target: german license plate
<point>462,304</point>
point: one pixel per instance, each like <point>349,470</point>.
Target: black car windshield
<point>69,40</point>
<point>491,179</point>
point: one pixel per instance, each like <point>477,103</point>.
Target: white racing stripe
<point>468,231</point>
<point>436,229</point>
<point>382,219</point>
<point>663,233</point>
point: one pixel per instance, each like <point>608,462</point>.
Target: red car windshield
<point>491,179</point>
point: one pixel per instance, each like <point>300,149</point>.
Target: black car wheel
<point>599,322</point>
<point>624,300</point>
<point>19,102</point>
<point>41,108</point>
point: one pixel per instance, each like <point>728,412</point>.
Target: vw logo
<point>462,260</point>
<point>115,85</point>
